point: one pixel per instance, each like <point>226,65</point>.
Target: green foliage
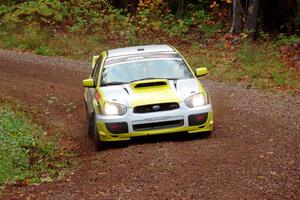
<point>47,12</point>
<point>117,24</point>
<point>283,39</point>
<point>4,9</point>
<point>29,37</point>
<point>45,50</point>
<point>55,13</point>
<point>83,15</point>
<point>263,35</point>
<point>197,20</point>
<point>278,78</point>
<point>80,16</point>
<point>8,41</point>
<point>32,37</point>
<point>209,29</point>
<point>24,152</point>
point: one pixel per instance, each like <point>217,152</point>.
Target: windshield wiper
<point>171,78</point>
<point>113,83</point>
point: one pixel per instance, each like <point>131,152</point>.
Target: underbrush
<point>258,65</point>
<point>27,38</point>
<point>26,154</point>
<point>263,64</point>
<point>101,17</point>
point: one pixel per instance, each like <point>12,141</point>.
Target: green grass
<point>27,38</point>
<point>255,65</point>
<point>265,67</point>
<point>25,154</point>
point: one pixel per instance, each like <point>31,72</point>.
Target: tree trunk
<point>180,8</point>
<point>237,17</point>
<point>252,14</point>
<point>297,18</point>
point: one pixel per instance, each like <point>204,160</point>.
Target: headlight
<point>196,100</point>
<point>114,109</point>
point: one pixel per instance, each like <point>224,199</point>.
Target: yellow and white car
<point>144,90</point>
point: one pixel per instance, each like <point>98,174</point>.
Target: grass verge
<point>26,155</point>
<point>254,65</point>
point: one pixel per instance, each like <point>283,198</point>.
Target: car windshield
<point>138,68</point>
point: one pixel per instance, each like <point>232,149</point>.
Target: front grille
<point>156,107</point>
<point>158,125</point>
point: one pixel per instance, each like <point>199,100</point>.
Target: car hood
<point>131,95</point>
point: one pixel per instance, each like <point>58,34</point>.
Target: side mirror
<point>202,71</point>
<point>88,83</point>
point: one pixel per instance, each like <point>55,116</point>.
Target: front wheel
<point>207,134</point>
<point>88,122</point>
<point>100,145</point>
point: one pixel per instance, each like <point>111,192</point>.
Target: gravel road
<point>254,152</point>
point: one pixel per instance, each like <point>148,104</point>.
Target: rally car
<point>144,90</point>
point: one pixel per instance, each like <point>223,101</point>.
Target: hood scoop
<point>149,83</point>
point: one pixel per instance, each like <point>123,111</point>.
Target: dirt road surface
<point>254,152</point>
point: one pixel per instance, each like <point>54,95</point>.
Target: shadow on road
<point>174,137</point>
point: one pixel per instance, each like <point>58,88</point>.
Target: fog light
<point>198,119</point>
<point>117,128</point>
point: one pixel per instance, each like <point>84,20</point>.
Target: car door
<point>90,92</point>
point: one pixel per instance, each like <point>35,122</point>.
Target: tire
<point>207,134</point>
<point>100,145</point>
<point>88,122</point>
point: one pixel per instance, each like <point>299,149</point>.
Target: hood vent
<point>150,84</point>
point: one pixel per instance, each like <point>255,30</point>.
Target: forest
<point>80,28</point>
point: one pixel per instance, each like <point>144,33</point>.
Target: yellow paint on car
<point>153,94</point>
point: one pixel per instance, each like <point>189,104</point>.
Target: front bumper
<point>134,120</point>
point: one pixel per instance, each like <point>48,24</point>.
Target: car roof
<point>135,50</point>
